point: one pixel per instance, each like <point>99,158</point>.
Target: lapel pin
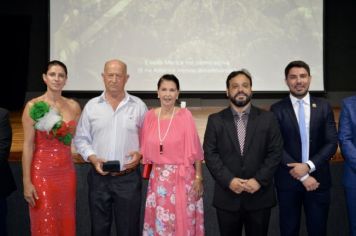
<point>314,105</point>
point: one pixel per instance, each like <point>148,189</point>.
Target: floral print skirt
<point>161,203</point>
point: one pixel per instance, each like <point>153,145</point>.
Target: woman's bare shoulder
<point>33,101</point>
<point>73,104</point>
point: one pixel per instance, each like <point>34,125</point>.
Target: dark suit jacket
<point>322,142</point>
<point>262,154</point>
<point>7,183</point>
<point>347,139</point>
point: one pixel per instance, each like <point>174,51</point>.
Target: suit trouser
<point>316,207</point>
<point>255,222</point>
<point>120,195</point>
<point>3,213</point>
<point>350,194</point>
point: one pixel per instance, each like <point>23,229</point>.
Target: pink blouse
<point>181,146</point>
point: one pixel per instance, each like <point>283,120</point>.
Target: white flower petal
<point>47,122</point>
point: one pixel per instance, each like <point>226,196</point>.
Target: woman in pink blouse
<point>174,204</point>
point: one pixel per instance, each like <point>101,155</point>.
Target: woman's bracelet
<point>198,177</point>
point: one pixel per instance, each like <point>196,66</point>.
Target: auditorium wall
<point>339,53</point>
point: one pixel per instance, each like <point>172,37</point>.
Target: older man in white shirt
<point>108,130</point>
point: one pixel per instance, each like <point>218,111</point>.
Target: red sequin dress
<point>53,175</point>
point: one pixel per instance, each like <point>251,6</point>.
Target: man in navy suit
<point>243,148</point>
<point>347,139</point>
<point>7,181</point>
<point>303,177</point>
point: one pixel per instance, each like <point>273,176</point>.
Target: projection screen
<point>200,41</point>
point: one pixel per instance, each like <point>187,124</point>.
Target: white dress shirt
<point>110,134</point>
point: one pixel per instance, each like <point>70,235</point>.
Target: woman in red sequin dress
<point>49,177</point>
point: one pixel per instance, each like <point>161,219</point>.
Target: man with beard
<point>310,140</point>
<point>242,148</point>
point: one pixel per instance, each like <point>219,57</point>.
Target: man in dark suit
<point>347,141</point>
<point>243,148</point>
<point>310,140</point>
<point>7,182</point>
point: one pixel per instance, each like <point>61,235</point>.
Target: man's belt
<point>124,172</point>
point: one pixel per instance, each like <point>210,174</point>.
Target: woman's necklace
<point>53,101</point>
<point>159,130</point>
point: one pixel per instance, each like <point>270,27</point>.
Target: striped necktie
<point>241,131</point>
